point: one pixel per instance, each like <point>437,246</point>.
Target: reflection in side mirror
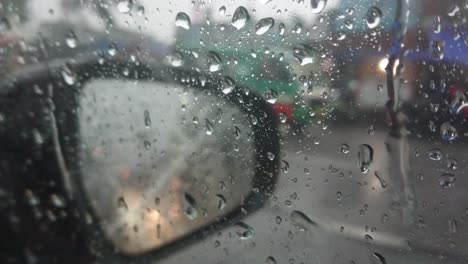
<point>160,161</point>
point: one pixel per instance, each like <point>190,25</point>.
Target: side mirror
<point>133,161</point>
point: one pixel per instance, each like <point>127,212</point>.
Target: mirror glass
<point>159,161</point>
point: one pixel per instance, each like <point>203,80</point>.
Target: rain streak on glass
<point>183,21</point>
<point>240,17</point>
<point>373,17</point>
<point>147,118</point>
<point>264,25</point>
<point>365,157</point>
<point>318,5</point>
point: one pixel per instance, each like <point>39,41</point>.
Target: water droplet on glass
<point>270,155</point>
<point>124,6</point>
<point>452,164</point>
<point>112,49</point>
<point>122,204</point>
<point>243,231</point>
<point>4,25</point>
<point>368,238</point>
<point>183,21</point>
<point>147,144</point>
<point>264,25</point>
<point>214,61</point>
<point>437,49</point>
<point>57,201</point>
<point>303,54</point>
<point>378,259</point>
<point>281,28</point>
<point>208,127</point>
<point>71,40</point>
<point>190,206</point>
<point>68,75</point>
<point>453,226</point>
<point>448,132</point>
<point>383,183</point>
<point>459,102</point>
<point>344,148</point>
<point>434,154</point>
<point>373,17</point>
<point>222,10</point>
<point>282,117</point>
<point>141,10</point>
<point>437,25</point>
<point>339,195</point>
<point>278,220</point>
<point>318,5</point>
<point>365,157</point>
<point>240,17</point>
<point>270,260</point>
<point>147,118</point>
<point>221,201</point>
<point>453,10</point>
<point>176,59</point>
<point>271,96</point>
<point>302,221</point>
<point>447,180</point>
<point>227,85</point>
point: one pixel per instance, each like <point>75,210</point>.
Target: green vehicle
<point>273,71</point>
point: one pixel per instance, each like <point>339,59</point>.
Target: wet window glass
<point>250,131</point>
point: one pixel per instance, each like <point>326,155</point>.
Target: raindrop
<point>384,219</point>
<point>112,49</point>
<point>459,102</point>
<point>281,28</point>
<point>4,25</point>
<point>208,127</point>
<point>448,132</point>
<point>147,144</point>
<point>71,40</point>
<point>222,10</point>
<point>68,75</point>
<point>303,54</point>
<point>243,231</point>
<point>453,226</point>
<point>434,154</point>
<point>122,204</point>
<point>237,132</point>
<point>447,180</point>
<point>378,259</point>
<point>190,206</point>
<point>270,156</point>
<point>141,10</point>
<point>318,5</point>
<point>453,10</point>
<point>183,21</point>
<point>344,148</point>
<point>302,221</point>
<point>240,17</point>
<point>221,201</point>
<point>368,238</point>
<point>282,117</point>
<point>264,25</point>
<point>437,49</point>
<point>437,25</point>
<point>214,61</point>
<point>147,118</point>
<point>452,164</point>
<point>176,59</point>
<point>271,96</point>
<point>339,195</point>
<point>125,6</point>
<point>57,201</point>
<point>373,17</point>
<point>383,183</point>
<point>285,167</point>
<point>227,85</point>
<point>365,157</point>
<point>270,260</point>
<point>278,220</point>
